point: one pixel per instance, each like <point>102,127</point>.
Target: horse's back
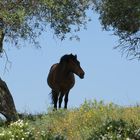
<point>51,75</point>
<point>53,67</point>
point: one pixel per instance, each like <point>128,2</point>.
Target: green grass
<point>91,121</point>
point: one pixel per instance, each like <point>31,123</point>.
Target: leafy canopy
<point>26,19</point>
<point>123,17</point>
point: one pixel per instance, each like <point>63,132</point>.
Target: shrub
<point>91,121</point>
<point>18,130</point>
<point>116,130</point>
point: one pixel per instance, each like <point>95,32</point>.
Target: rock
<point>7,106</point>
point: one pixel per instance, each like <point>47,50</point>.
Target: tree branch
<point>1,40</point>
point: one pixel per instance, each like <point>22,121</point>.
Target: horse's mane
<point>66,57</point>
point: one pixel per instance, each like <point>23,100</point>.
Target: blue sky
<point>108,76</point>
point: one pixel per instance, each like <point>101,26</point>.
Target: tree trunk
<point>7,106</point>
<point>1,34</point>
<point>1,40</point>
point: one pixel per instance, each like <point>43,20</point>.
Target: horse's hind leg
<point>55,98</point>
<point>60,99</point>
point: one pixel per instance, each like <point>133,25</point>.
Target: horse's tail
<point>52,97</point>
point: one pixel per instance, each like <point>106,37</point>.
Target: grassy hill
<point>91,121</point>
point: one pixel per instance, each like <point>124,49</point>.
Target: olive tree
<point>26,19</point>
<point>123,17</point>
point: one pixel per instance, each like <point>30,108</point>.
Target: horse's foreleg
<point>60,99</point>
<point>66,100</point>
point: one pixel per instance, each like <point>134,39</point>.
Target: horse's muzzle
<point>82,75</point>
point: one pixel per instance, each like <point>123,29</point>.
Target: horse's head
<point>73,65</point>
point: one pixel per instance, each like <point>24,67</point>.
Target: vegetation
<point>91,121</point>
<point>123,17</point>
<point>25,20</point>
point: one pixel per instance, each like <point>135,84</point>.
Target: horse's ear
<point>76,56</point>
<point>71,55</point>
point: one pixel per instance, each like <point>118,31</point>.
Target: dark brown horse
<point>61,78</point>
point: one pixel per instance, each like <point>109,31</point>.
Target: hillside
<point>91,121</point>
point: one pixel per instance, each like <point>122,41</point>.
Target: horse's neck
<point>63,70</point>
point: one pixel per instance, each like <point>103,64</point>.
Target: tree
<point>123,17</point>
<point>26,19</point>
<point>7,106</point>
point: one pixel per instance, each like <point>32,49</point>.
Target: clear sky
<point>108,76</point>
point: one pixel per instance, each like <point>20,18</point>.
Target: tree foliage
<point>123,17</point>
<point>26,19</point>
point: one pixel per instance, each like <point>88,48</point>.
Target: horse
<point>61,78</point>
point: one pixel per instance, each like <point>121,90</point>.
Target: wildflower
<point>12,139</point>
<point>2,134</point>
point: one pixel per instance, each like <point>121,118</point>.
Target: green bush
<point>18,130</point>
<point>91,121</point>
<point>49,136</point>
<point>116,130</point>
